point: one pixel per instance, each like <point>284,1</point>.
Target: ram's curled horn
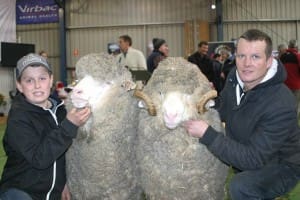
<point>204,99</point>
<point>150,105</point>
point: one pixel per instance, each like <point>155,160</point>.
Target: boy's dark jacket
<point>33,141</point>
<point>261,130</point>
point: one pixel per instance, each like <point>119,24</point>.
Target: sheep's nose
<point>68,89</point>
<point>171,115</point>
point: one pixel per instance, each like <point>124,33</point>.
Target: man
<point>201,59</point>
<point>217,67</point>
<point>291,61</point>
<point>262,140</point>
<point>281,50</point>
<point>129,57</point>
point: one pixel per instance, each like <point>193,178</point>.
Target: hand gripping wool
<point>173,165</point>
<point>101,162</point>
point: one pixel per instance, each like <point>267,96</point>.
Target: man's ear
<point>270,61</point>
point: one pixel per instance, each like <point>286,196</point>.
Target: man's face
<point>123,45</point>
<point>252,62</point>
<point>203,49</point>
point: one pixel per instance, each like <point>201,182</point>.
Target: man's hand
<point>196,128</point>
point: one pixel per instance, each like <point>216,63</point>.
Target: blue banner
<point>36,11</point>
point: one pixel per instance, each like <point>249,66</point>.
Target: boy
<point>39,131</point>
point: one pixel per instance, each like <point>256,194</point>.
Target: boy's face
<point>36,85</point>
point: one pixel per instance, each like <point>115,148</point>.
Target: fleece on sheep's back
<point>172,164</point>
<point>101,162</point>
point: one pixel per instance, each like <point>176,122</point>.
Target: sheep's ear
<point>210,104</point>
<point>162,96</point>
<point>141,104</point>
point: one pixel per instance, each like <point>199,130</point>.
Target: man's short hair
<point>293,43</point>
<point>126,38</point>
<point>201,43</point>
<point>254,35</point>
<point>281,47</point>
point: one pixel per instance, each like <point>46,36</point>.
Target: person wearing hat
<point>160,52</point>
<point>291,62</point>
<point>39,131</point>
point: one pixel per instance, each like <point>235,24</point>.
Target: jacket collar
<point>275,75</point>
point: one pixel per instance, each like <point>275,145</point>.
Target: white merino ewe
<point>101,162</point>
<point>173,165</point>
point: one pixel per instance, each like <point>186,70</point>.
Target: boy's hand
<point>65,195</point>
<point>79,116</point>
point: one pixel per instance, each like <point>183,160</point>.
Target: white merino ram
<point>101,162</point>
<point>173,165</point>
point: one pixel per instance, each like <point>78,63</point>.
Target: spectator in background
<point>130,57</point>
<point>217,67</point>
<point>202,60</point>
<point>39,131</point>
<point>228,62</point>
<point>59,91</point>
<point>160,52</point>
<point>281,50</point>
<point>44,54</point>
<point>291,62</point>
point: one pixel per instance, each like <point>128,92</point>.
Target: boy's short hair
<point>31,60</point>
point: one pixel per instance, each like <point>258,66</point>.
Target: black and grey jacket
<point>261,129</point>
<point>35,143</point>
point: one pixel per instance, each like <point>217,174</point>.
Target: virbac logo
<point>37,8</point>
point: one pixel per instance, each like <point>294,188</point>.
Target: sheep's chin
<point>79,104</point>
<point>171,125</point>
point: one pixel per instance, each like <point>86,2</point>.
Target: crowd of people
<point>261,141</point>
<point>214,68</point>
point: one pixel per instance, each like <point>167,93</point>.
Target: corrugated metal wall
<point>91,24</point>
<point>45,37</point>
<point>278,18</point>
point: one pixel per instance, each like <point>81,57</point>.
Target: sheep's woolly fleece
<point>101,164</point>
<point>173,165</point>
